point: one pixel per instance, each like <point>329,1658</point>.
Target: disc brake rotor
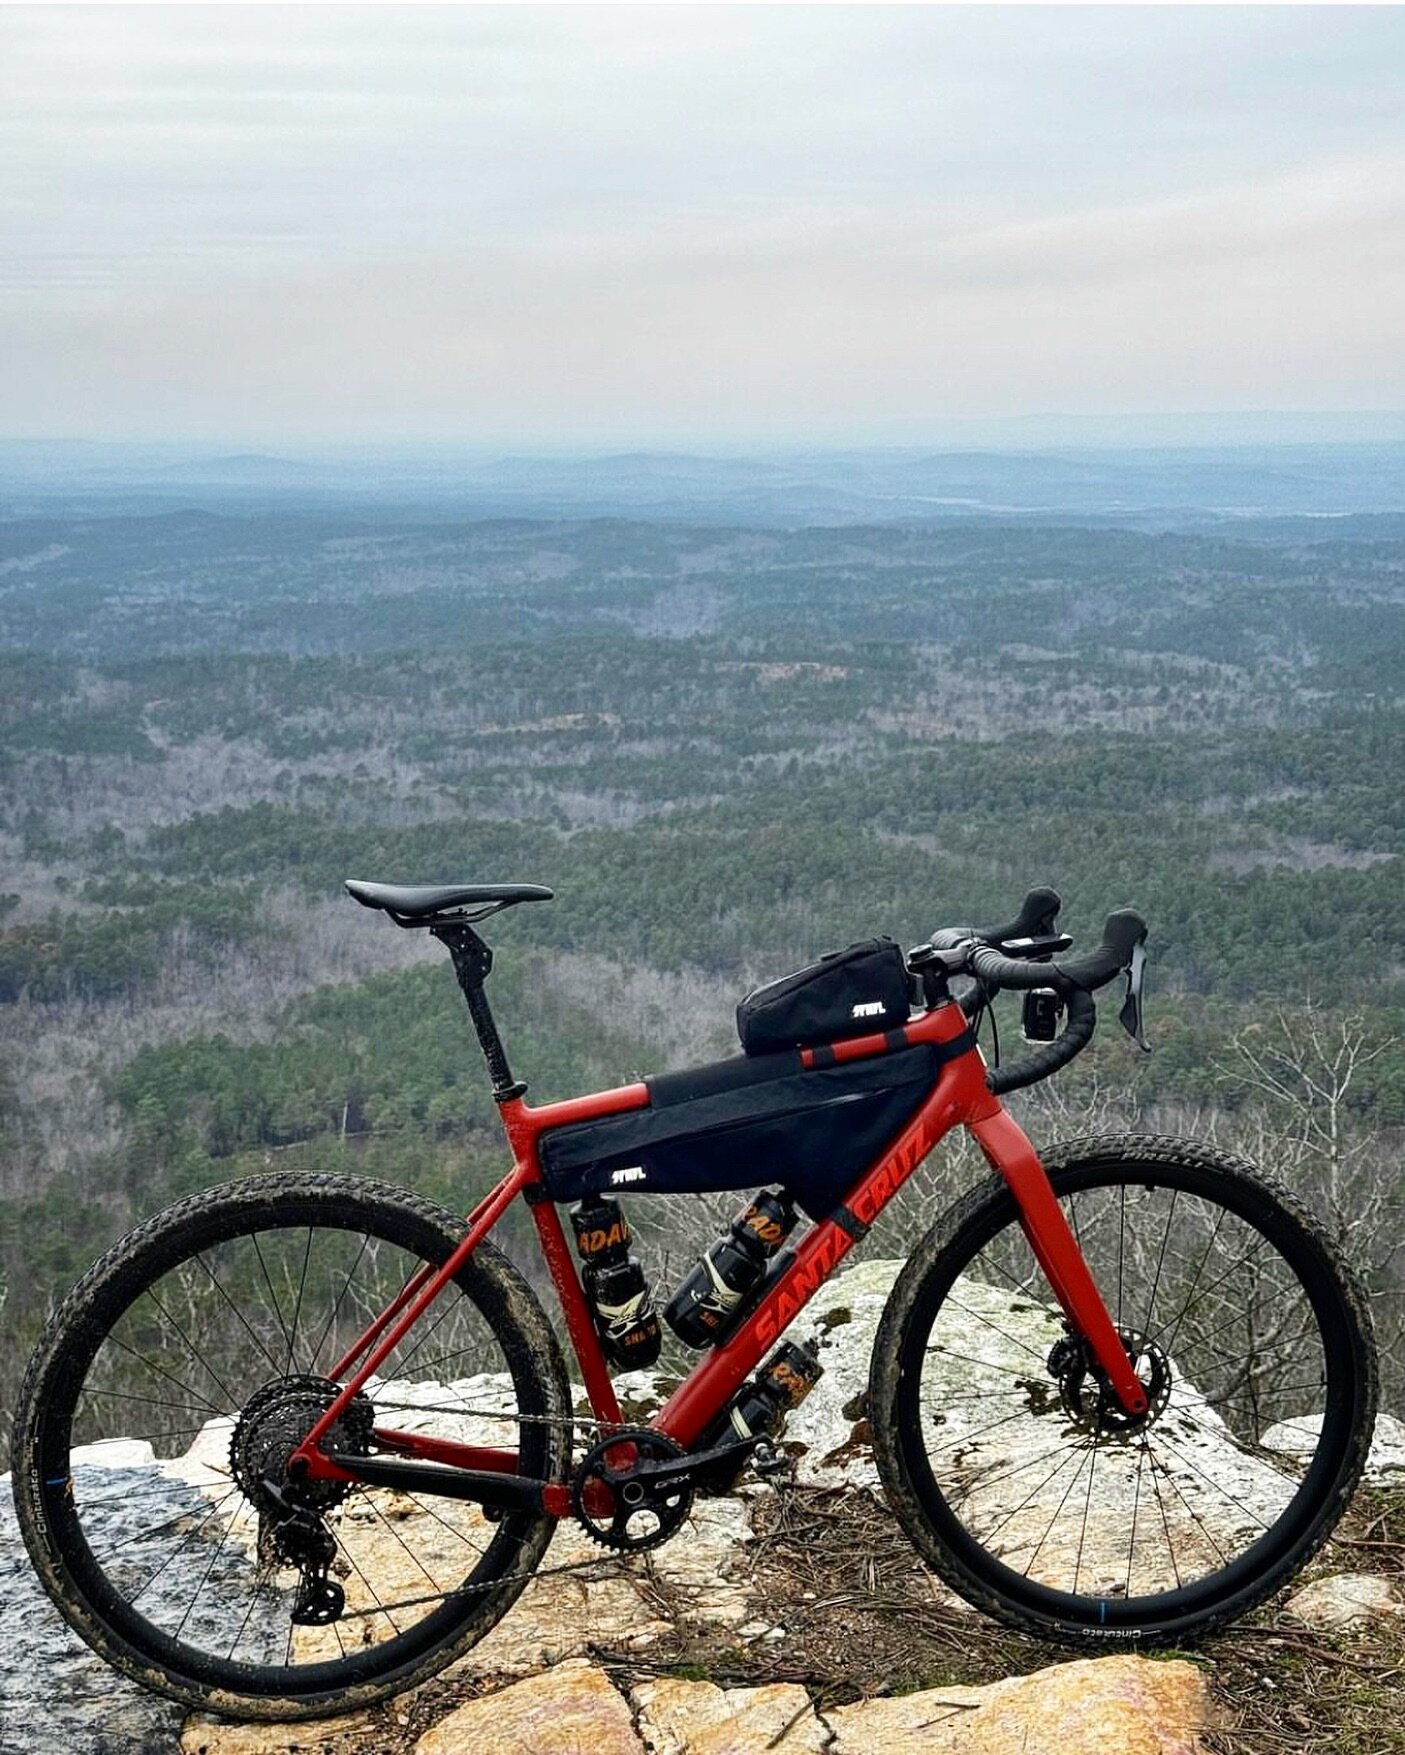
<point>1090,1400</point>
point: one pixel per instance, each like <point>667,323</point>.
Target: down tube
<point>703,1394</point>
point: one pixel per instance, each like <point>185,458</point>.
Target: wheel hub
<point>1090,1400</point>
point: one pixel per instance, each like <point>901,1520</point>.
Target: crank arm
<point>687,1468</point>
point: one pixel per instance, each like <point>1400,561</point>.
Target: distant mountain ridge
<point>1152,487</point>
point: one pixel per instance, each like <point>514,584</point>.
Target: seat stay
<point>406,1312</point>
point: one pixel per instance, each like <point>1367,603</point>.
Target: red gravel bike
<point>1119,1393</point>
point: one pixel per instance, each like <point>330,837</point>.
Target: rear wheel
<point>1012,1466</point>
<point>192,1360</point>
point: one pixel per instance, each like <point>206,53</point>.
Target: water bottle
<point>614,1284</point>
<point>705,1307</point>
<point>759,1411</point>
<point>762,1406</point>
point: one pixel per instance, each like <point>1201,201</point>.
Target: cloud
<point>503,222</point>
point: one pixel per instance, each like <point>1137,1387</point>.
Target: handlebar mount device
<point>1022,956</point>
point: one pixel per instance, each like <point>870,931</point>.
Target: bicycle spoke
<point>980,1432</point>
<point>1087,1507</point>
<point>195,1352</point>
<point>1219,1487</point>
<point>1160,1263</point>
<point>144,1534</point>
<point>1195,1518</point>
<point>1165,1521</point>
<point>205,1578</point>
<point>370,1588</point>
<point>297,1307</point>
<point>128,1396</point>
<point>1136,1501</point>
<point>393,1532</point>
<point>182,1545</point>
<point>1057,1513</point>
<point>995,1328</point>
<point>244,1624</point>
<point>1019,1468</point>
<point>274,1305</point>
<point>452,1528</point>
<point>336,1307</point>
<point>1066,1458</point>
<point>167,1432</point>
<point>1121,1242</point>
<point>142,1359</point>
<point>971,1359</point>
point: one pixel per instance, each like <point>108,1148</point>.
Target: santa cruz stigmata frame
<point>960,1097</point>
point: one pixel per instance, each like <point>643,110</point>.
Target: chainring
<point>621,1507</point>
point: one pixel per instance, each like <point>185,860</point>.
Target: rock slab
<point>569,1710</point>
<point>1347,1599</point>
<point>1093,1706</point>
<point>699,1718</point>
<point>355,1733</point>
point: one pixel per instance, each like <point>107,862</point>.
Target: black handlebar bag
<point>848,993</point>
<point>746,1121</point>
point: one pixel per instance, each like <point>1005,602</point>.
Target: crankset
<point>634,1487</point>
<point>632,1490</point>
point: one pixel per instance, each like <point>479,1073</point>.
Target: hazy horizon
<point>725,229</point>
<point>1030,435</point>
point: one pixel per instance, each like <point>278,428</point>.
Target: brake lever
<point>1130,1017</point>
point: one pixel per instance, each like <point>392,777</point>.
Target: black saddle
<point>443,904</point>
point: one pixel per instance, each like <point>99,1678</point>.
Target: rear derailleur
<point>300,1538</point>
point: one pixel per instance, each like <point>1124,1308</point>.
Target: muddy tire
<point>990,1427</point>
<point>108,1341</point>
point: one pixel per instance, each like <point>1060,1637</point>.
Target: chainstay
<point>560,1421</point>
<point>590,1563</point>
<point>606,1558</point>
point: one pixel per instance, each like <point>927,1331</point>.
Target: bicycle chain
<point>467,1590</point>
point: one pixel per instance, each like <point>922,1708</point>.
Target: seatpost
<point>472,962</point>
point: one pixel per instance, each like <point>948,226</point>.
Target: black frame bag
<point>743,1122</point>
<point>848,993</point>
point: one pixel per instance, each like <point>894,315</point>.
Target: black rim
<point>1067,1470</point>
<point>399,1645</point>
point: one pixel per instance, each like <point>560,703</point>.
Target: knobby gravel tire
<point>66,1567</point>
<point>1104,1161</point>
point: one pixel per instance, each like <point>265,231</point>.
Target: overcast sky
<point>632,225</point>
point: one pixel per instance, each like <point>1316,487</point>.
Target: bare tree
<point>1305,1072</point>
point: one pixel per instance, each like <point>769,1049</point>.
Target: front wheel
<point>1013,1468</point>
<point>163,1402</point>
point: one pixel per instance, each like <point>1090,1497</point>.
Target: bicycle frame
<point>959,1097</point>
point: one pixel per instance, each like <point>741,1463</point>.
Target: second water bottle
<point>704,1307</point>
